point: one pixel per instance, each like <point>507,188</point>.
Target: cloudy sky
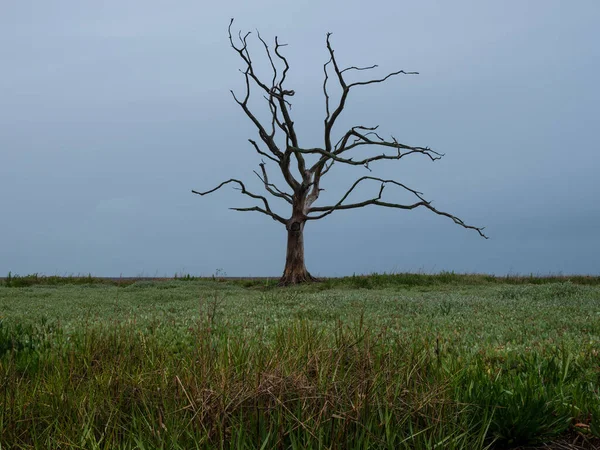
<point>112,111</point>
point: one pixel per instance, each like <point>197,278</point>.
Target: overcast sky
<point>112,111</point>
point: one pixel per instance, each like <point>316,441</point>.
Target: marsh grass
<point>199,364</point>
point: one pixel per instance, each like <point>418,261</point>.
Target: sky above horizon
<point>113,111</point>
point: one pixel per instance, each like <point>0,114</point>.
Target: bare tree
<point>305,184</point>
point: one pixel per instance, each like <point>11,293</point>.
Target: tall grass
<point>213,364</point>
<point>120,386</point>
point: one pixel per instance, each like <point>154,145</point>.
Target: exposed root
<point>289,279</point>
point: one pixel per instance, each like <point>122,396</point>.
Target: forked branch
<point>365,162</point>
<point>326,210</point>
<point>270,187</point>
<point>331,118</point>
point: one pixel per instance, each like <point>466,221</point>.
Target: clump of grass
<point>530,400</point>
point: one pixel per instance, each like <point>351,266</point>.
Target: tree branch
<point>325,90</point>
<point>365,162</point>
<point>287,66</point>
<point>261,210</point>
<point>330,121</point>
<point>377,201</point>
<point>289,129</point>
<point>381,80</point>
<point>341,144</point>
<point>359,68</point>
<point>260,152</point>
<point>266,138</point>
<point>267,209</point>
<point>270,187</point>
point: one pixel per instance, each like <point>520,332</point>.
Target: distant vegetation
<point>381,362</point>
<point>372,281</point>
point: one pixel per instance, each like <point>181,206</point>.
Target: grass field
<point>400,361</point>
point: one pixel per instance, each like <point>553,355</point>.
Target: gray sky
<point>112,111</point>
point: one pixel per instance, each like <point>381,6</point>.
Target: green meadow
<point>381,362</point>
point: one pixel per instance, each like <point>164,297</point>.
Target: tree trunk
<point>295,271</point>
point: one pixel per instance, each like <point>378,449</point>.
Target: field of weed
<point>382,362</point>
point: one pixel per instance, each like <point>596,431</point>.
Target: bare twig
<point>360,68</point>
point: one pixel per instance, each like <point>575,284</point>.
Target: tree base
<point>291,278</point>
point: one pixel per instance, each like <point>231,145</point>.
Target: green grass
<point>387,361</point>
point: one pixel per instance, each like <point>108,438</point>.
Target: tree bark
<point>295,270</point>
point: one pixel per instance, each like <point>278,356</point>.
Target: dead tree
<point>305,183</point>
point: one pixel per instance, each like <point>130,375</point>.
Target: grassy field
<point>400,361</point>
